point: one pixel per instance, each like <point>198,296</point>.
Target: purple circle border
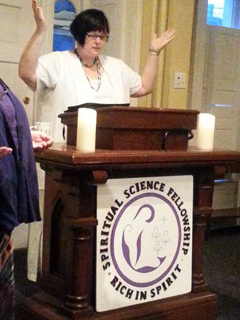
<point>126,279</point>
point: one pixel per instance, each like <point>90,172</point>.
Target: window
<point>224,13</point>
<point>64,13</point>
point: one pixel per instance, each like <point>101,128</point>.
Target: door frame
<point>198,54</point>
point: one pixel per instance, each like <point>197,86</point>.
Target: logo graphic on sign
<point>144,240</point>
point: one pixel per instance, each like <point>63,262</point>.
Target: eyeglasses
<point>94,36</point>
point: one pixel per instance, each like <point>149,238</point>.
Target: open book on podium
<point>120,127</point>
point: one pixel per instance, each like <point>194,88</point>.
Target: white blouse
<point>62,82</point>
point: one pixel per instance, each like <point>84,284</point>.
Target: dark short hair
<point>87,21</point>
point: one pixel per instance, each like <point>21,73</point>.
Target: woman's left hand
<point>157,44</point>
<point>41,141</point>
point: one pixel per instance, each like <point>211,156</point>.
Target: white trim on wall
<point>199,53</point>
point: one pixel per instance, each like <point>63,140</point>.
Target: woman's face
<point>94,42</point>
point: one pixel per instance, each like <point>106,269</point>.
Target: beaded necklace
<point>96,61</point>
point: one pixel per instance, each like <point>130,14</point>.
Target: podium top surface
<point>63,155</point>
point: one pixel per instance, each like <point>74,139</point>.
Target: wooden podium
<point>69,250</point>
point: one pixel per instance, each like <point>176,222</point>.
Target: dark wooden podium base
<point>200,306</point>
<point>68,281</point>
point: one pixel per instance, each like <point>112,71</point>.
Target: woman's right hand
<point>39,17</point>
<point>4,151</point>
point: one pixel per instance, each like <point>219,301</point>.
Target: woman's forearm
<point>149,73</point>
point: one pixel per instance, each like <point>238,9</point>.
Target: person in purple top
<point>19,201</point>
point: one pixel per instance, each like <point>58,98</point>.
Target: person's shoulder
<point>111,60</point>
<point>48,57</point>
<point>68,53</point>
<point>56,55</point>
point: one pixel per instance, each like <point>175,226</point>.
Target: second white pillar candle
<point>205,131</point>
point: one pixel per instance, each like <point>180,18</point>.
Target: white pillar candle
<point>205,131</point>
<point>86,130</point>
